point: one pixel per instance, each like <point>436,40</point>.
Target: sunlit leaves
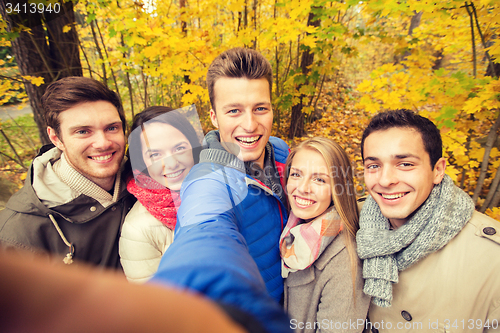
<point>165,51</point>
<point>36,80</point>
<point>433,75</point>
<point>494,213</point>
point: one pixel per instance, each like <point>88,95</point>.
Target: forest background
<point>336,64</point>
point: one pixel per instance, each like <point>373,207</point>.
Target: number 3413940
<point>32,8</point>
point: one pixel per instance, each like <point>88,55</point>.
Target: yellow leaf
<point>151,51</point>
<point>472,105</point>
<point>367,104</point>
<point>477,154</point>
<point>494,213</point>
<point>309,41</point>
<point>400,80</point>
<point>37,81</point>
<point>452,172</point>
<point>139,40</point>
<point>365,86</point>
<point>473,164</point>
<point>379,83</point>
<point>382,95</point>
<point>461,159</point>
<point>67,28</point>
<point>387,68</point>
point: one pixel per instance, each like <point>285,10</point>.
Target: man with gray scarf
<point>430,261</point>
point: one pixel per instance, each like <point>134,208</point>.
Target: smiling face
<point>309,185</point>
<point>398,173</point>
<point>92,139</point>
<point>244,116</point>
<point>167,154</point>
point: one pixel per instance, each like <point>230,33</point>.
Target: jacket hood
<point>26,200</point>
<point>44,193</point>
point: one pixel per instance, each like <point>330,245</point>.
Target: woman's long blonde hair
<point>342,184</point>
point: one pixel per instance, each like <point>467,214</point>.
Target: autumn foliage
<point>337,62</point>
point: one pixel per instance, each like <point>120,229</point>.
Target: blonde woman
<point>324,284</point>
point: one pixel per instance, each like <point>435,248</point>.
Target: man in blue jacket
<point>232,211</point>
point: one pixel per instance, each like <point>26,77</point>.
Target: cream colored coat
<point>456,289</point>
<point>322,294</point>
<point>143,242</point>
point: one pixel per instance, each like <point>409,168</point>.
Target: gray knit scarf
<point>385,252</point>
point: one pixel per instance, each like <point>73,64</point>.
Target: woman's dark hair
<point>154,114</point>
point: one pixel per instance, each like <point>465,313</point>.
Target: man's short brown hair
<point>238,63</point>
<point>73,90</point>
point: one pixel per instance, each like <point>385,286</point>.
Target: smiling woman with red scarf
<point>163,147</point>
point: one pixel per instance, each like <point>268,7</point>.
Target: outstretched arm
<point>210,255</point>
<point>42,297</point>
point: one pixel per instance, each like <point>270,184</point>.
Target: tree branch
<point>492,136</point>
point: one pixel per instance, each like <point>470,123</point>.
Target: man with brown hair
<point>430,261</point>
<point>74,199</point>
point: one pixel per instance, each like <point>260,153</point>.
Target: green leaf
<point>466,81</point>
<point>314,76</point>
<point>446,117</point>
<point>91,17</point>
<point>299,79</point>
<point>440,72</point>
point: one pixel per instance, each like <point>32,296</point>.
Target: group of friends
<point>237,227</point>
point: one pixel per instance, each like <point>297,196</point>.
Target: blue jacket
<point>227,235</point>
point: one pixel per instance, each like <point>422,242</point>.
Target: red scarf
<point>157,199</point>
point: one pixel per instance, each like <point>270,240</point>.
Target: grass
<point>19,143</point>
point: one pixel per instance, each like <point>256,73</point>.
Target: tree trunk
<point>127,76</point>
<point>254,19</point>
<point>63,46</point>
<point>44,52</point>
<point>103,63</point>
<point>492,136</point>
<point>492,70</point>
<point>473,39</point>
<point>182,6</point>
<point>414,23</point>
<point>297,120</point>
<point>494,188</point>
